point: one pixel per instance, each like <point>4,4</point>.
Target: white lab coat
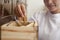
<point>48,25</point>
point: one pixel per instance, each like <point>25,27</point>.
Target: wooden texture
<point>10,31</point>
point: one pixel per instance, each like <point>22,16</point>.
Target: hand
<point>20,10</point>
<point>20,13</point>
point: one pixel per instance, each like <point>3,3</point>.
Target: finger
<point>16,12</point>
<point>24,11</point>
<point>20,11</point>
<point>23,8</point>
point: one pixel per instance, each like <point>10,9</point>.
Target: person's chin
<point>53,10</point>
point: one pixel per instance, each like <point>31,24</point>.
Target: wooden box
<point>10,31</point>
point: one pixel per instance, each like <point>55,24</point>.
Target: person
<point>48,22</point>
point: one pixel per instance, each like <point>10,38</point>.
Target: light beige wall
<point>33,5</point>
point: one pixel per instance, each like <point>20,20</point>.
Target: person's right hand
<point>20,13</point>
<point>20,10</point>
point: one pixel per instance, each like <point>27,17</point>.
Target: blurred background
<point>7,7</point>
<point>33,6</point>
